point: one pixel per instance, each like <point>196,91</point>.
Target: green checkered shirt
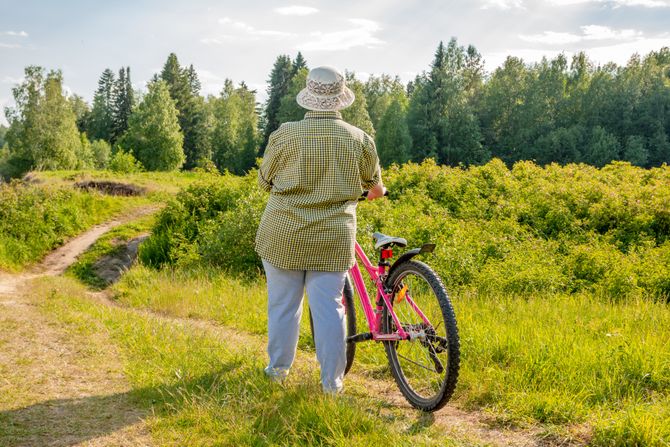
<point>315,170</point>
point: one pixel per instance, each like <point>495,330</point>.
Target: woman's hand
<point>377,191</point>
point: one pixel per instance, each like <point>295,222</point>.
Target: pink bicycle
<point>413,318</point>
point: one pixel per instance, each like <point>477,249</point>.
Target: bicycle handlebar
<point>365,194</point>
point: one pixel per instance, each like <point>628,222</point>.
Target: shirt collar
<point>324,114</point>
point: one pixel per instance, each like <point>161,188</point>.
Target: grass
<point>158,184</point>
<point>201,389</point>
<point>560,360</point>
<point>107,245</point>
<point>36,218</point>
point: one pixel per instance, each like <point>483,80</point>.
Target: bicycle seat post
<point>384,255</point>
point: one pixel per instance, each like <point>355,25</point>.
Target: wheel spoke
<point>416,363</point>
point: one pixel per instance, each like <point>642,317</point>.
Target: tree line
<point>454,112</point>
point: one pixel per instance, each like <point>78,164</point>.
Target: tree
<point>84,154</point>
<point>635,151</point>
<point>81,111</point>
<point>278,85</point>
<point>441,116</point>
<point>3,132</point>
<point>101,121</point>
<point>235,135</point>
<point>299,63</point>
<point>153,134</point>
<point>123,102</point>
<point>380,92</point>
<point>504,97</point>
<point>102,152</point>
<point>357,113</point>
<point>289,110</point>
<point>184,88</point>
<point>43,131</point>
<point>393,139</point>
<point>562,145</point>
<point>601,148</point>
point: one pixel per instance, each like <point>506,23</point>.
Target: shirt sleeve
<point>268,167</point>
<point>370,170</point>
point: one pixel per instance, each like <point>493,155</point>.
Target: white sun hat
<point>326,90</point>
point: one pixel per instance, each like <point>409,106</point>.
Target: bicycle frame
<point>374,315</point>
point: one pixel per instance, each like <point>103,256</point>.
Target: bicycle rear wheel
<point>350,321</point>
<point>426,367</point>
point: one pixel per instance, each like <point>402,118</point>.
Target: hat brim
<point>321,103</point>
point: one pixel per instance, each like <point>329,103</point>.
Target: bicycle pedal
<point>364,336</point>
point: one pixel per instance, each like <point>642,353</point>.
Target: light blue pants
<point>285,294</point>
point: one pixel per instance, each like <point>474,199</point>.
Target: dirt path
<point>57,387</point>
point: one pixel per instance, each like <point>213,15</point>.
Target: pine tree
<point>184,87</point>
<point>299,63</point>
<point>123,103</point>
<point>153,134</point>
<point>441,114</point>
<point>193,81</point>
<point>289,110</point>
<point>101,121</point>
<point>279,82</point>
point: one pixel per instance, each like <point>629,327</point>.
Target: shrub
<point>101,153</point>
<point>124,162</point>
<point>196,209</point>
<point>524,231</point>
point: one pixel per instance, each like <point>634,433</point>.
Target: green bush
<point>205,213</point>
<point>524,230</point>
<point>124,162</point>
<point>34,219</point>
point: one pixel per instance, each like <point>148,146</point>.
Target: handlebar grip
<point>365,194</point>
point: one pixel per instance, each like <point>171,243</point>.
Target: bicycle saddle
<point>382,240</point>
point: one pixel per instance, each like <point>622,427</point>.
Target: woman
<point>315,170</point>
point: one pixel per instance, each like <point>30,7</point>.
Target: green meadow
<point>560,278</point>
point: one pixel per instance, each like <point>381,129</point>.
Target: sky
<point>240,40</point>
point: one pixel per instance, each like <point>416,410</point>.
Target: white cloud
<point>598,32</point>
<point>645,3</point>
<point>9,45</point>
<point>3,102</point>
<point>616,3</point>
<point>361,35</point>
<point>14,33</point>
<point>495,59</point>
<point>519,4</point>
<point>296,10</point>
<point>618,53</point>
<point>11,80</point>
<point>589,33</point>
<point>502,4</point>
<point>621,52</point>
<point>238,31</point>
<point>551,38</point>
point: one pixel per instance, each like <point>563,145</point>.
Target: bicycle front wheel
<point>426,366</point>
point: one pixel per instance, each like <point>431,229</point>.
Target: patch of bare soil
<point>110,268</point>
<point>111,188</point>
